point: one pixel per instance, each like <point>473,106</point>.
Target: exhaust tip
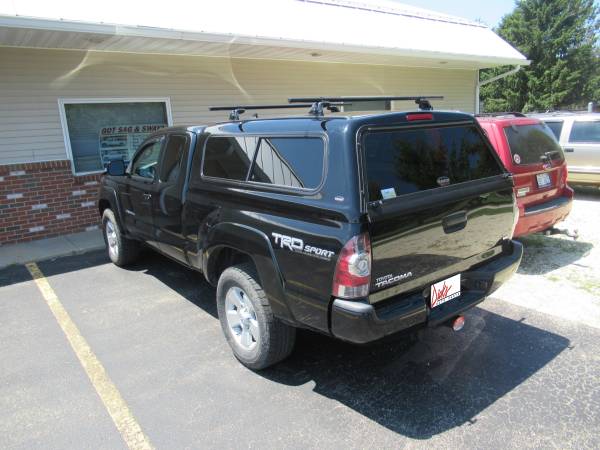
<point>458,323</point>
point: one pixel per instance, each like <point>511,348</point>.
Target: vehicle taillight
<point>353,270</point>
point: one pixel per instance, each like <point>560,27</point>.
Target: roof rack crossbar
<point>250,107</point>
<point>362,98</point>
<point>421,100</point>
<point>235,111</point>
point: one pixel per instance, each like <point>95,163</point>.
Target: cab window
<point>175,149</point>
<point>146,161</point>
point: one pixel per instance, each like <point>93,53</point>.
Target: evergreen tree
<point>560,37</point>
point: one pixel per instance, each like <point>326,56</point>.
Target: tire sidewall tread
<point>276,338</point>
<point>128,248</point>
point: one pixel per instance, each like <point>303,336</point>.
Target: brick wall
<point>39,200</point>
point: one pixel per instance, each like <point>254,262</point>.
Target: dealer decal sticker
<point>445,290</point>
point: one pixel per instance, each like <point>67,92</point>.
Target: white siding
<point>32,80</point>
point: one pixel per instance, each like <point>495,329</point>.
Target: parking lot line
<point>114,403</point>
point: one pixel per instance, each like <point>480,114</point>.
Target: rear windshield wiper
<point>547,156</point>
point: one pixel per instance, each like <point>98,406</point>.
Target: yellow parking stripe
<point>109,394</point>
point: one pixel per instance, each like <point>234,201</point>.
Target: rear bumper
<point>545,215</point>
<point>360,322</point>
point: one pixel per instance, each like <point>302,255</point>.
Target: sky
<point>489,12</point>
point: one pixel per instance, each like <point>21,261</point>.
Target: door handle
<point>147,196</point>
<point>569,150</point>
<point>454,222</point>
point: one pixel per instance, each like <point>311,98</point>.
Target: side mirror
<point>116,168</point>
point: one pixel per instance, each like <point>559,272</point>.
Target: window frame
<point>72,101</point>
<point>267,186</point>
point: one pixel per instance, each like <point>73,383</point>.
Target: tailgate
<point>439,202</point>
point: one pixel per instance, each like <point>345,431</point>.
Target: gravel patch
<point>560,275</point>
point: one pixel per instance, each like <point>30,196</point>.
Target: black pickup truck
<point>353,225</point>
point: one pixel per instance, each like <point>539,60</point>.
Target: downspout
<point>490,80</point>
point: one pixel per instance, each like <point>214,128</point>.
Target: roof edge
<point>36,23</point>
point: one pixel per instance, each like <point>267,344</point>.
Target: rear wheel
<point>257,338</point>
<point>121,251</point>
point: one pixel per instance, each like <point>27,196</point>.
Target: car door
<point>582,148</point>
<point>142,186</point>
<point>169,198</point>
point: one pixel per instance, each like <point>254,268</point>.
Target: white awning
<point>371,32</point>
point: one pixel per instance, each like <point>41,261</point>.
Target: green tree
<point>560,37</point>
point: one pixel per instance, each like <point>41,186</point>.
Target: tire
<point>121,251</point>
<point>257,338</point>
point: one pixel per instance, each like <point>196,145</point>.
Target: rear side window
<point>556,128</point>
<point>228,157</point>
<point>291,162</point>
<point>295,162</point>
<point>412,160</point>
<point>585,132</point>
<point>530,143</point>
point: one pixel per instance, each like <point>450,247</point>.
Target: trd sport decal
<point>297,245</point>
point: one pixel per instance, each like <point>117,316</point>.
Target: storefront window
<point>101,132</point>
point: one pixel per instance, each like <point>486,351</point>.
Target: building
<point>82,83</point>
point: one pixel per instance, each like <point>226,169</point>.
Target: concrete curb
<point>44,249</point>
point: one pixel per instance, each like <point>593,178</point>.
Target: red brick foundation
<point>39,200</point>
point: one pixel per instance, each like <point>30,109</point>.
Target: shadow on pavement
<point>416,388</point>
<point>543,254</point>
<point>586,193</point>
<point>13,275</point>
<point>421,389</point>
<point>186,282</point>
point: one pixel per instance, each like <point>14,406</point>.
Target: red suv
<point>529,150</point>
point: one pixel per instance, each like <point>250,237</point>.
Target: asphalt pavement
<point>515,377</point>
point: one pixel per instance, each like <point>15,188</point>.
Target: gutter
<point>491,80</point>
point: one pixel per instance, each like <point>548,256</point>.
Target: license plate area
<point>445,290</point>
<point>543,180</point>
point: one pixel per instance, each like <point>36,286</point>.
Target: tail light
<point>353,270</point>
<point>565,174</point>
<point>419,116</point>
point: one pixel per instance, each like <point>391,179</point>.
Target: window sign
<point>99,131</point>
<point>121,141</point>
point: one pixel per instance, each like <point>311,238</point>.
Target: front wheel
<point>121,251</point>
<point>257,338</point>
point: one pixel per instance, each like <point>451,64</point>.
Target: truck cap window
<point>228,157</point>
<point>532,142</point>
<point>411,160</point>
<point>291,162</point>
